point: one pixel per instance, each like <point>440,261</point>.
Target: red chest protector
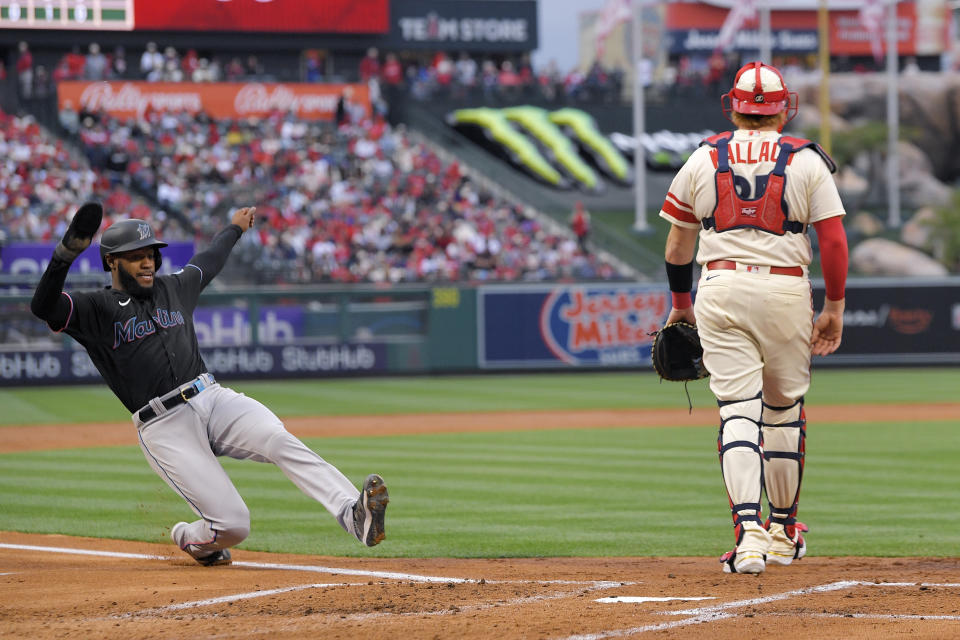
<point>769,211</point>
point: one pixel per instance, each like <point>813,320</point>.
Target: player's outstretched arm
<point>48,303</point>
<point>211,260</point>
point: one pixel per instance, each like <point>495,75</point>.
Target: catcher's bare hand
<point>827,328</point>
<point>243,218</point>
<point>681,315</point>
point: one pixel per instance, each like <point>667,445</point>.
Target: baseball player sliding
<point>750,195</point>
<point>139,333</point>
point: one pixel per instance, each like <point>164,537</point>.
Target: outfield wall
<point>369,330</point>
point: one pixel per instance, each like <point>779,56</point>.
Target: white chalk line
<point>231,598</point>
<point>642,599</point>
<point>863,616</point>
<point>389,575</point>
<point>719,612</point>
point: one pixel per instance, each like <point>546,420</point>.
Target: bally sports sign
<point>218,100</point>
<point>599,325</point>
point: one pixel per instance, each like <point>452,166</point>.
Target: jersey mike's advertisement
<point>576,325</point>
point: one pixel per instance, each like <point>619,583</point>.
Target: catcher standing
<point>751,195</point>
<point>139,333</point>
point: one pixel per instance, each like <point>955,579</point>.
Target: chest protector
<point>769,211</point>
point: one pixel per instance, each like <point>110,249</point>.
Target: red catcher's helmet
<point>759,90</point>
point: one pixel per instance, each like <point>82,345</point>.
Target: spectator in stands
<point>443,71</point>
<point>189,64</point>
<point>25,70</point>
<point>76,62</point>
<point>580,224</point>
<point>203,72</point>
<point>392,70</point>
<point>234,70</point>
<point>312,71</point>
<point>69,118</point>
<point>489,78</point>
<point>466,71</point>
<point>42,87</point>
<point>62,70</point>
<point>171,71</point>
<point>95,66</point>
<point>525,71</point>
<point>342,115</point>
<point>509,81</point>
<point>151,63</point>
<point>118,62</point>
<point>171,61</point>
<point>370,65</point>
<point>253,68</point>
<point>716,73</point>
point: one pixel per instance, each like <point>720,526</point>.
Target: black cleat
<point>216,558</point>
<point>369,511</point>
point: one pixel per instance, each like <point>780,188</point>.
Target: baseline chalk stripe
<point>83,552</point>
<point>884,616</point>
<point>253,565</point>
<point>640,599</point>
<point>231,598</point>
<point>387,575</point>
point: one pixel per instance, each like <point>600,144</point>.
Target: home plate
<point>647,599</point>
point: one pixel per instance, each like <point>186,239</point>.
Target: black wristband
<point>680,277</point>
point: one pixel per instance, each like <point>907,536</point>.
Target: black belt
<point>176,398</point>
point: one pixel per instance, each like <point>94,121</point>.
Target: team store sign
<point>226,100</point>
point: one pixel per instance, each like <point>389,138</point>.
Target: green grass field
<point>869,489</point>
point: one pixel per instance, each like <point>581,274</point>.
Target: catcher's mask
<point>128,235</point>
<point>759,90</point>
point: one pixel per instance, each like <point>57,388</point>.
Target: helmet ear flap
<point>726,105</point>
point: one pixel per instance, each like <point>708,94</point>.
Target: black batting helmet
<point>128,235</point>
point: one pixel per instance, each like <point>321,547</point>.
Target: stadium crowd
<point>349,201</point>
<point>359,202</point>
<point>42,180</point>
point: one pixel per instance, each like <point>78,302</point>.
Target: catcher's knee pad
<point>784,444</point>
<point>740,446</point>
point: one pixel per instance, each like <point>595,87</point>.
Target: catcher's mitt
<point>677,354</point>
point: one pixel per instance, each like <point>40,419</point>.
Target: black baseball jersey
<point>143,348</point>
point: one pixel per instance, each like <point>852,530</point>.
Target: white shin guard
<point>740,456</point>
<point>784,435</point>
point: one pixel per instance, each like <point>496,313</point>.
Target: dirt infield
<point>64,587</point>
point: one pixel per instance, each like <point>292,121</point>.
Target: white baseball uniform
<point>755,322</point>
